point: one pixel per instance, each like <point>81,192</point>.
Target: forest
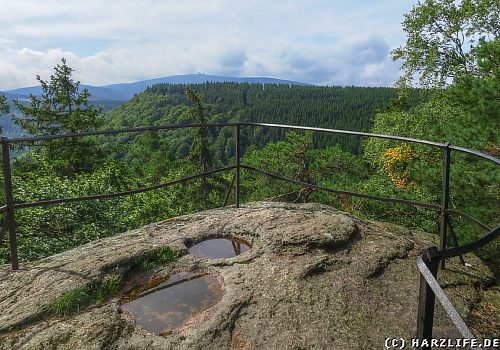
<point>454,99</point>
<point>348,108</point>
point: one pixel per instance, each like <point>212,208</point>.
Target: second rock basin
<point>220,248</point>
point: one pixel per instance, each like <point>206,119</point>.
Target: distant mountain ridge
<point>125,91</point>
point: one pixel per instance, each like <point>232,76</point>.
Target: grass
<point>70,302</point>
<point>73,301</point>
<point>160,255</point>
<point>109,286</point>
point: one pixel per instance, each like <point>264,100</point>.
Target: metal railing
<point>427,263</point>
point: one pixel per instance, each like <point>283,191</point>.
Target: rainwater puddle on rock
<point>161,305</point>
<point>217,248</point>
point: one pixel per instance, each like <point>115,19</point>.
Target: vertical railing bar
<point>426,298</point>
<point>238,165</point>
<point>445,197</point>
<point>4,228</point>
<point>439,294</point>
<point>9,202</point>
<point>455,240</point>
<point>229,191</point>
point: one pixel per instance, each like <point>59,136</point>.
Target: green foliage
<point>70,302</point>
<point>479,94</point>
<point>4,106</point>
<point>148,157</point>
<point>63,109</point>
<point>43,231</point>
<point>296,159</point>
<point>446,44</point>
<point>76,299</point>
<point>436,120</point>
<point>199,152</point>
<point>386,168</point>
<point>289,159</point>
<point>441,36</point>
<point>109,286</point>
<point>161,255</point>
<point>410,217</point>
<point>351,108</point>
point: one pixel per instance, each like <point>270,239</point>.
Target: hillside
<point>109,97</point>
<point>349,108</point>
<point>128,90</point>
<point>9,129</point>
<point>125,91</point>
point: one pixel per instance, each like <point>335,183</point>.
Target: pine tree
<point>4,107</point>
<point>199,152</point>
<point>62,108</point>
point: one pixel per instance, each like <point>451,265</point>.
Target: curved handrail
<point>114,131</point>
<point>428,280</point>
<point>467,248</point>
<point>448,306</point>
<point>470,217</point>
<point>269,125</point>
<point>476,153</point>
<point>349,193</point>
<point>427,264</point>
<point>348,132</point>
<point>119,194</point>
<point>6,141</point>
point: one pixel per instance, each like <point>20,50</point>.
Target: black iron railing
<point>427,263</point>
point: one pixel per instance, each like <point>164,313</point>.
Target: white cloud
<point>318,41</point>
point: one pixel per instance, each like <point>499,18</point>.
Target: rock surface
<point>315,278</point>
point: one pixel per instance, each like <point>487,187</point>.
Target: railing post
<point>228,193</point>
<point>445,196</point>
<point>426,298</point>
<point>455,241</point>
<point>238,165</point>
<point>9,202</point>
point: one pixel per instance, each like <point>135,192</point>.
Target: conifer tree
<point>4,107</point>
<point>62,108</point>
<point>199,152</point>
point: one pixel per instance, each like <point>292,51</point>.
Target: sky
<point>324,42</point>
